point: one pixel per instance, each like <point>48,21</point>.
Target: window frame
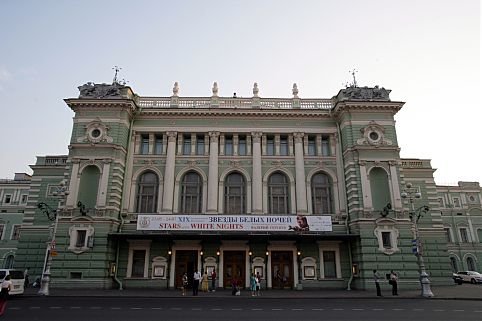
<point>158,144</point>
<point>330,247</point>
<point>143,198</point>
<point>138,245</point>
<point>242,195</point>
<point>272,197</point>
<point>183,186</point>
<point>327,187</point>
<point>144,148</point>
<point>15,233</point>
<point>464,237</point>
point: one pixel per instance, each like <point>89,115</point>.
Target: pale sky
<point>426,51</point>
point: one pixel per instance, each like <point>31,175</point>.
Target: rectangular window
<point>270,145</point>
<point>2,228</point>
<point>144,144</point>
<point>186,150</point>
<point>138,262</point>
<point>158,145</point>
<point>448,238</point>
<point>24,199</point>
<point>311,145</point>
<point>329,264</point>
<point>242,146</point>
<point>199,145</point>
<point>456,202</point>
<point>464,236</point>
<point>386,239</point>
<point>325,145</point>
<point>16,232</point>
<point>81,236</point>
<point>228,145</point>
<point>283,146</point>
<point>441,202</point>
<point>7,199</point>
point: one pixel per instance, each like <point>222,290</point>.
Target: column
<point>74,184</point>
<point>104,182</point>
<point>213,173</point>
<point>301,206</point>
<point>366,192</point>
<point>167,198</point>
<point>257,179</point>
<point>395,186</point>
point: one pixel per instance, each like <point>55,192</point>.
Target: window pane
<point>387,242</point>
<point>200,145</point>
<point>278,194</point>
<point>158,149</point>
<point>187,145</point>
<point>270,146</point>
<point>228,145</point>
<point>81,235</point>
<point>470,264</point>
<point>234,194</point>
<point>325,146</point>
<point>191,193</point>
<point>147,193</point>
<point>329,264</point>
<point>463,235</point>
<point>283,146</point>
<point>311,146</point>
<point>138,260</point>
<point>242,145</point>
<point>144,144</point>
<point>321,194</point>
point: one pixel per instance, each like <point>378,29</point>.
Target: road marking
<point>237,309</point>
<point>277,309</point>
<point>317,309</point>
<point>115,308</point>
<point>14,308</point>
<point>216,309</point>
<point>136,308</point>
<point>458,310</point>
<point>338,309</point>
<point>477,311</point>
<point>156,308</point>
<point>256,309</point>
<point>398,309</point>
<point>439,310</point>
<point>377,309</point>
<point>358,309</point>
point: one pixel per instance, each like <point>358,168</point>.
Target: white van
<point>17,278</point>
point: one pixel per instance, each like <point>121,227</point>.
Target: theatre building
<point>290,188</point>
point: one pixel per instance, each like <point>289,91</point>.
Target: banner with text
<point>260,223</point>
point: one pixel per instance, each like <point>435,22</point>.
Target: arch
<point>140,171</point>
<point>92,163</point>
<point>471,262</point>
<point>9,261</point>
<point>89,185</point>
<point>147,192</point>
<point>191,190</point>
<point>379,187</point>
<point>281,170</point>
<point>196,169</point>
<point>326,171</point>
<point>322,193</point>
<point>235,192</point>
<point>228,171</point>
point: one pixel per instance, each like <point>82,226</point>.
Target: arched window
<point>379,188</point>
<point>453,264</point>
<point>191,193</point>
<point>89,186</point>
<point>9,262</point>
<point>321,194</point>
<point>235,194</point>
<point>471,264</point>
<point>278,195</point>
<point>147,193</point>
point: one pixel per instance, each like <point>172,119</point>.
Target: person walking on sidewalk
<point>394,282</point>
<point>184,283</point>
<point>252,284</point>
<point>377,278</point>
<point>195,283</point>
<point>258,284</point>
<point>213,280</point>
<point>6,287</point>
<point>205,282</point>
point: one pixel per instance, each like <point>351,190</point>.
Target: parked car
<point>17,278</point>
<point>467,276</point>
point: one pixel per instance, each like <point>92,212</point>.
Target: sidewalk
<point>455,292</point>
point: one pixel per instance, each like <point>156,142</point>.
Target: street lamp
<point>52,215</point>
<point>411,193</point>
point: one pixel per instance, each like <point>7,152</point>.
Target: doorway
<point>186,261</point>
<point>282,269</point>
<point>234,267</point>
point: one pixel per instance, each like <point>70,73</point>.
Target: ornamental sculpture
<point>364,94</point>
<point>101,91</point>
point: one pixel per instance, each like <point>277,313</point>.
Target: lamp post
<point>52,214</point>
<point>410,193</point>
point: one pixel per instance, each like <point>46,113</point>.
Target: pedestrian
<point>184,283</point>
<point>252,284</point>
<point>258,284</point>
<point>195,283</point>
<point>213,280</point>
<point>393,282</point>
<point>205,282</point>
<point>234,286</point>
<point>377,278</point>
<point>6,287</point>
<point>26,276</point>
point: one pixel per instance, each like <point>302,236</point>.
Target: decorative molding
<point>95,132</point>
<point>374,135</point>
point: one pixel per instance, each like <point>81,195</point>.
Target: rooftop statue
<point>101,91</point>
<point>364,94</point>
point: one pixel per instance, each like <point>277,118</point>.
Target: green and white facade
<point>132,156</point>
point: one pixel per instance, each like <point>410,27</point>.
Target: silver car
<point>469,276</point>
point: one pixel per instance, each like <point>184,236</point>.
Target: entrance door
<point>234,267</point>
<point>186,261</point>
<point>282,269</point>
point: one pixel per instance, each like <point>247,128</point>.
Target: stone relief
<point>95,132</point>
<point>374,135</point>
<point>364,94</point>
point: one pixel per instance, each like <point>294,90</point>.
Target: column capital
<point>298,136</point>
<point>256,136</point>
<point>171,136</point>
<point>214,136</point>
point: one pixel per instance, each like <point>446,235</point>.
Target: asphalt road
<point>238,308</point>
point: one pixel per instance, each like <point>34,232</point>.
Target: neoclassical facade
<point>159,186</point>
